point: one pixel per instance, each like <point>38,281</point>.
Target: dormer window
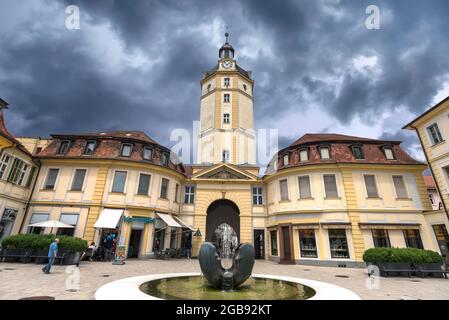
<point>165,158</point>
<point>325,152</point>
<point>227,82</point>
<point>357,151</point>
<point>388,152</point>
<point>64,147</point>
<point>147,153</point>
<point>90,147</point>
<point>303,155</point>
<point>126,150</point>
<point>286,160</point>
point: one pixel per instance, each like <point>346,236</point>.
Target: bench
<point>428,269</point>
<point>13,255</point>
<point>41,256</point>
<point>387,269</point>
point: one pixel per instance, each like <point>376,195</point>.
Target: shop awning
<point>168,219</point>
<point>336,225</point>
<point>389,226</point>
<point>184,224</point>
<point>109,219</point>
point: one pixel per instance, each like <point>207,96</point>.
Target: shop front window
<point>338,244</point>
<point>274,243</point>
<point>413,239</point>
<point>380,238</point>
<point>307,243</point>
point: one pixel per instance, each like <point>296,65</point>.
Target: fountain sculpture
<point>229,278</point>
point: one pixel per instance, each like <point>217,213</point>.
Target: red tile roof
<point>341,151</point>
<point>333,137</point>
<point>109,146</point>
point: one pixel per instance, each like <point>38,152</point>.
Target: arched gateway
<point>223,222</point>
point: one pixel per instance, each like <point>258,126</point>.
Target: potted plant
<point>429,263</point>
<point>72,248</point>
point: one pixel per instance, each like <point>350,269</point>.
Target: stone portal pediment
<point>224,172</point>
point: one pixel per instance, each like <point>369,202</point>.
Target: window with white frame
<point>64,147</point>
<point>189,194</point>
<point>90,147</point>
<point>18,172</point>
<point>70,219</point>
<point>147,153</point>
<point>4,164</point>
<point>52,175</point>
<point>370,184</point>
<point>304,187</point>
<point>164,188</point>
<point>165,158</point>
<point>325,153</point>
<point>226,155</point>
<point>283,189</point>
<point>434,133</point>
<point>227,82</point>
<point>399,185</point>
<point>226,118</point>
<point>304,155</point>
<point>37,218</point>
<point>78,179</point>
<point>257,196</point>
<point>388,151</point>
<point>144,184</point>
<point>126,150</point>
<point>118,184</point>
<point>286,160</point>
<point>330,185</point>
<point>227,97</point>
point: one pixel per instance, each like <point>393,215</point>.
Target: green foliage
<point>402,255</point>
<point>40,242</point>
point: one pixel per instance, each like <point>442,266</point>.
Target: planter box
<point>425,270</point>
<point>72,258</point>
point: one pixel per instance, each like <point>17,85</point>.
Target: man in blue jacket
<point>52,252</point>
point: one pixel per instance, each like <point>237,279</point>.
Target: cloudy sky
<point>136,65</point>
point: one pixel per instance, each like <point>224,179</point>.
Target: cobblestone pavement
<point>27,280</point>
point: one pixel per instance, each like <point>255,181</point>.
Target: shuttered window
<point>304,187</point>
<point>330,186</point>
<point>399,185</point>
<point>371,187</point>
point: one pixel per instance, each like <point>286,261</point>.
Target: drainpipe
<point>432,172</point>
<point>29,200</point>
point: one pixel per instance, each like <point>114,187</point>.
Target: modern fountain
<point>217,282</point>
<point>210,258</point>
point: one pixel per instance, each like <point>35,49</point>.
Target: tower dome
<point>226,51</point>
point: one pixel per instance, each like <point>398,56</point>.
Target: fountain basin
<point>133,288</point>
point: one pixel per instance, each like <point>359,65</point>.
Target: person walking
<point>109,242</point>
<point>52,252</point>
<point>189,247</point>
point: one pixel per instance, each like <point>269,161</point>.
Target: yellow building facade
<point>323,200</point>
<point>432,128</point>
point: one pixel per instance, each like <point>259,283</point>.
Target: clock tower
<point>226,132</point>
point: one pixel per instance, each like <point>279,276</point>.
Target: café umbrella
<point>51,224</point>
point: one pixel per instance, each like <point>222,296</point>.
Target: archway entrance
<point>223,225</point>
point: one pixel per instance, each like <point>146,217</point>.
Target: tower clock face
<point>227,64</point>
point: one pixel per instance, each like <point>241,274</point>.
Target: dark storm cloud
<point>303,55</point>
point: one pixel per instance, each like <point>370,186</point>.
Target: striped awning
<point>389,226</point>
